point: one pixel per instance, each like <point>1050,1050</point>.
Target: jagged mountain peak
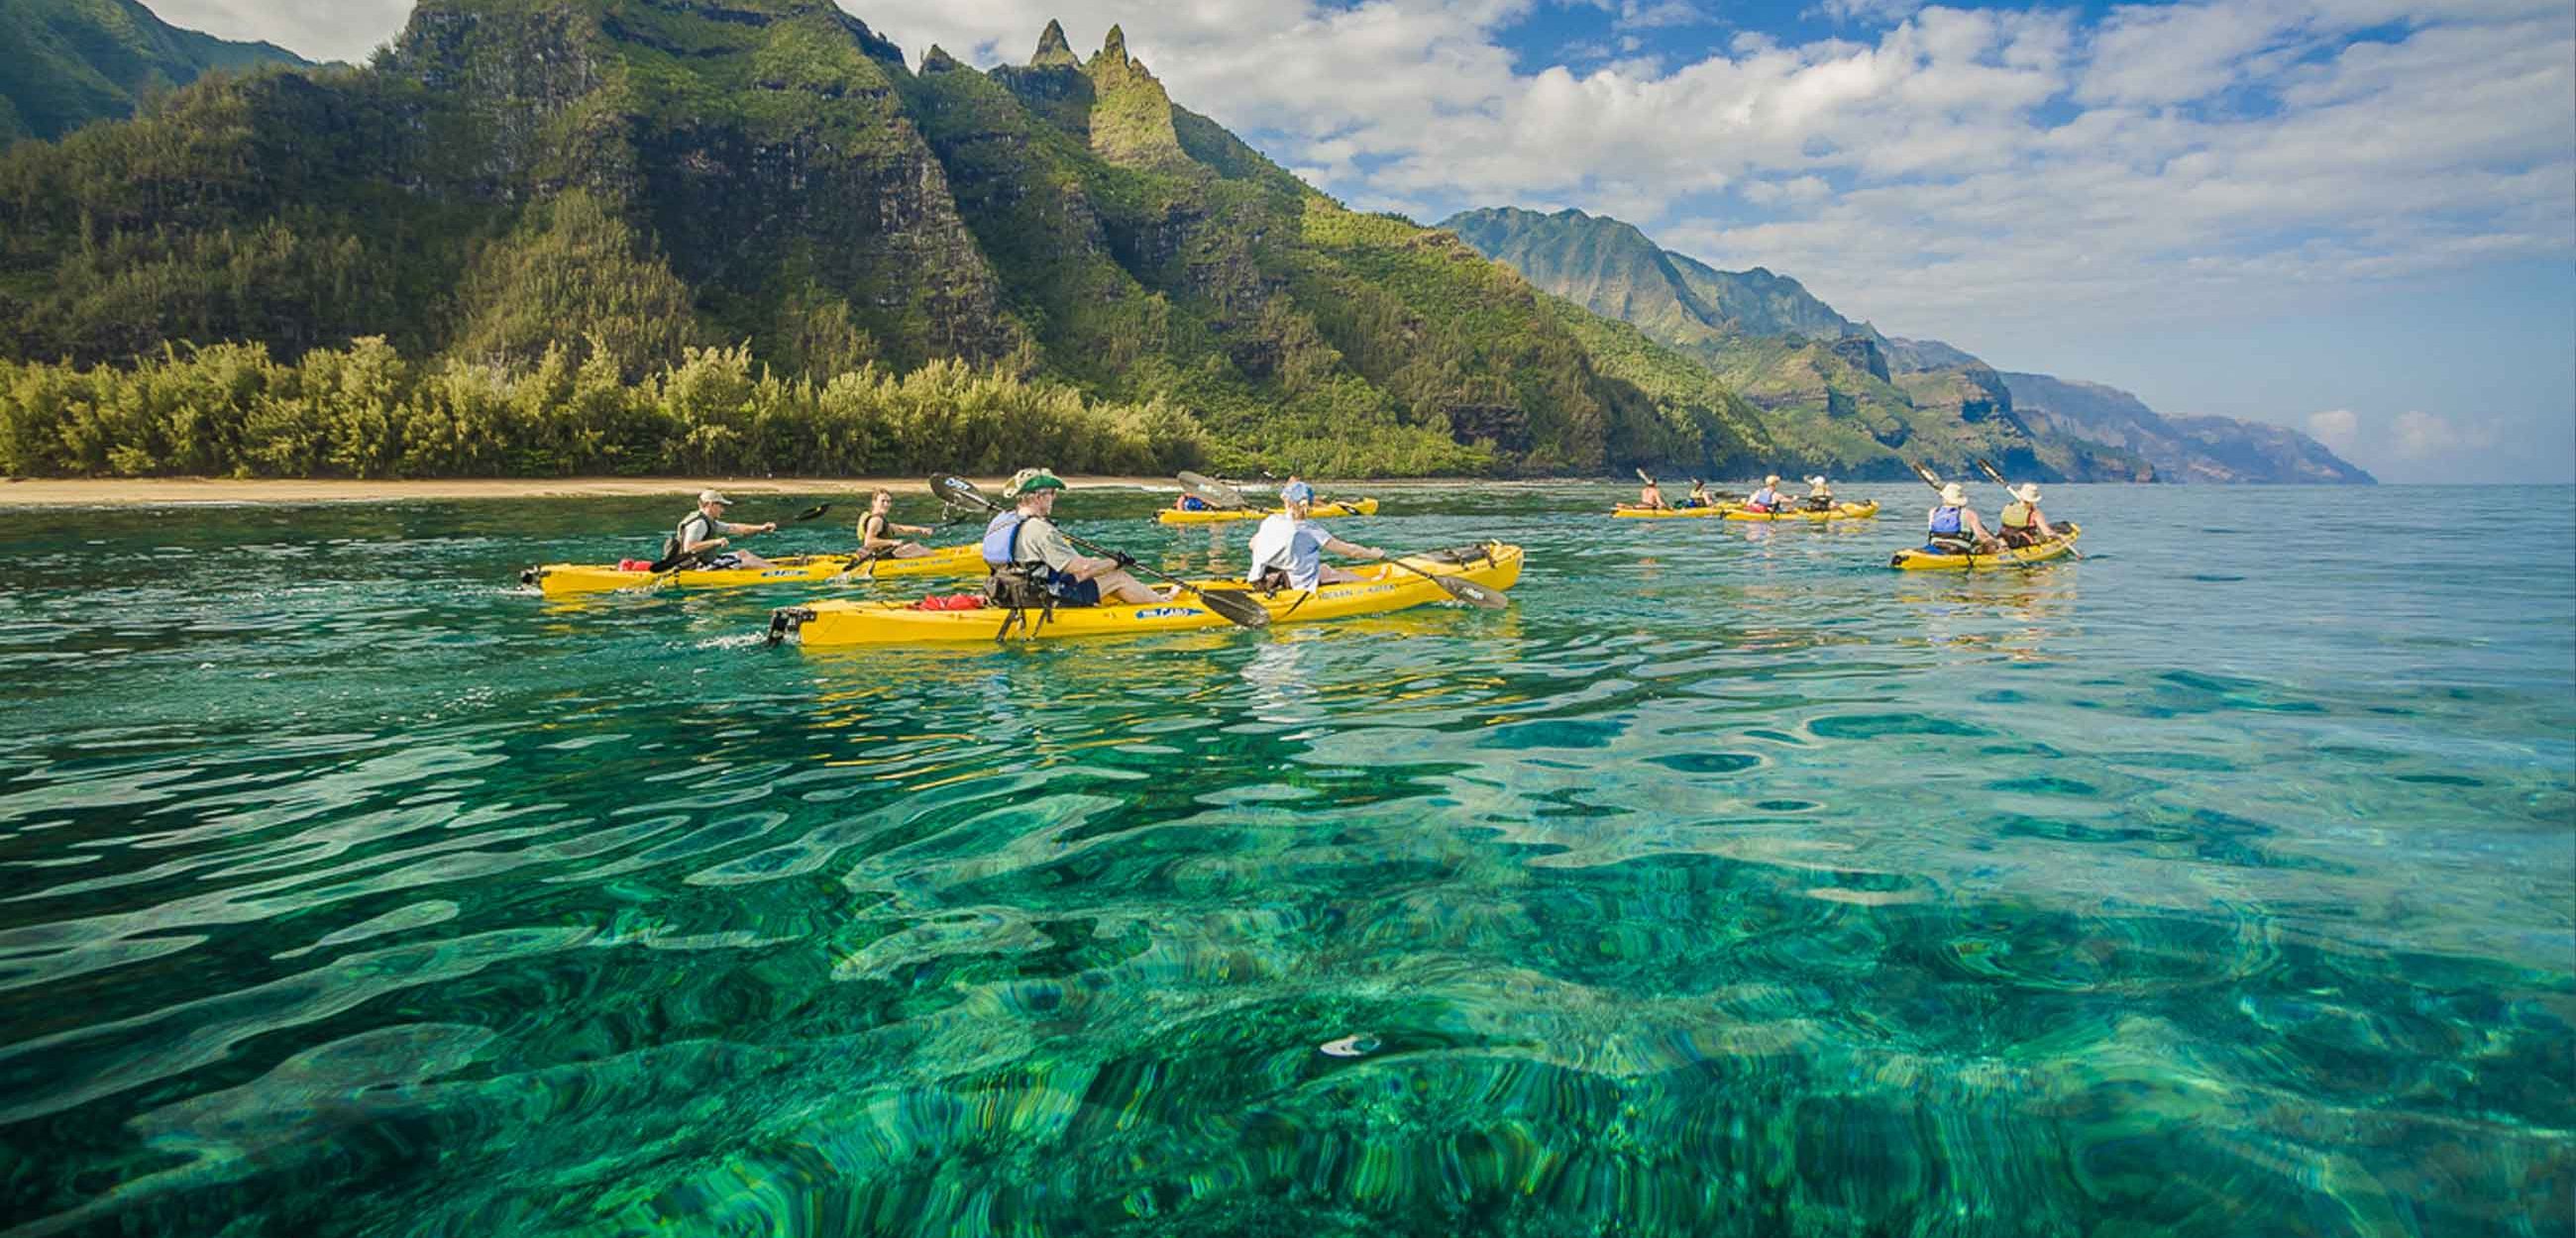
<point>1113,46</point>
<point>937,60</point>
<point>1054,48</point>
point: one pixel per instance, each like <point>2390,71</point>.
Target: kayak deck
<point>1360,507</point>
<point>564,579</point>
<point>1380,588</point>
<point>1917,559</point>
<point>1840,511</point>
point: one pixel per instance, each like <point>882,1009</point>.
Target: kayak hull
<point>568,579</point>
<point>1629,511</point>
<point>1842,511</point>
<point>1361,507</point>
<point>1381,588</point>
<point>1916,559</point>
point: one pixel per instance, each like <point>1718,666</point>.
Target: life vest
<point>1945,520</point>
<point>875,521</point>
<point>681,536</point>
<point>2019,516</point>
<point>1002,540</point>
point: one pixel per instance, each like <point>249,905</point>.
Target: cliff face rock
<point>2217,450</point>
<point>1863,354</point>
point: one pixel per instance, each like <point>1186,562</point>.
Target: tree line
<point>365,411</point>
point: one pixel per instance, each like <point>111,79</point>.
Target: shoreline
<point>161,491</point>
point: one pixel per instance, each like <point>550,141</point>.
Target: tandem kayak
<point>1841,511</point>
<point>1917,559</point>
<point>1630,511</point>
<point>1382,587</point>
<point>1219,515</point>
<point>558,579</point>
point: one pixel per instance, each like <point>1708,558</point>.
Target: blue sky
<point>2357,217</point>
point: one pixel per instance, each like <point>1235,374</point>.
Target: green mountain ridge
<point>640,178</point>
<point>71,62</point>
<point>1837,394</point>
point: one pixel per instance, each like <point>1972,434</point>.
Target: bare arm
<point>1349,551</point>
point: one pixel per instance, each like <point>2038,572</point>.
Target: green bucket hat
<point>1027,480</point>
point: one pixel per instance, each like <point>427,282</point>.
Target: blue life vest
<point>1002,540</point>
<point>1945,520</point>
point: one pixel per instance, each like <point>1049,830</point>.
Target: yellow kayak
<point>1382,587</point>
<point>1362,507</point>
<point>1843,511</point>
<point>1917,559</point>
<point>1630,511</point>
<point>559,579</point>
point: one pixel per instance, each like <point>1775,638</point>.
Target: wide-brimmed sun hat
<point>1815,481</point>
<point>1297,492</point>
<point>2027,492</point>
<point>1028,480</point>
<point>1953,495</point>
<point>709,496</point>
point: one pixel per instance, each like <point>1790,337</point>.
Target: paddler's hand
<point>1376,552</point>
<point>770,527</point>
<point>1123,559</point>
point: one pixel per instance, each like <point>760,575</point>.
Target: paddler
<point>704,532</point>
<point>1699,495</point>
<point>1652,496</point>
<point>1287,550</point>
<point>1820,495</point>
<point>1955,528</point>
<point>877,530</point>
<point>1766,499</point>
<point>2023,525</point>
<point>1024,542</point>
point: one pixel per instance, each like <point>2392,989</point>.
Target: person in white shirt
<point>1288,549</point>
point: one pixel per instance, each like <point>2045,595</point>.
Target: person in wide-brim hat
<point>1820,494</point>
<point>2022,523</point>
<point>1955,528</point>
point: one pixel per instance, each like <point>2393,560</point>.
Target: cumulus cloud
<point>2417,435</point>
<point>2338,428</point>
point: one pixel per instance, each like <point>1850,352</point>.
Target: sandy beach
<point>153,491</point>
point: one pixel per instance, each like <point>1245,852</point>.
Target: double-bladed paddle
<point>1212,492</point>
<point>1233,605</point>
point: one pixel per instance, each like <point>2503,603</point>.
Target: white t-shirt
<point>1283,541</point>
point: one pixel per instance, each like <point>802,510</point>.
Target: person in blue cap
<point>1288,549</point>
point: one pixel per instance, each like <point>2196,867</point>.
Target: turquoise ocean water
<point>1729,883</point>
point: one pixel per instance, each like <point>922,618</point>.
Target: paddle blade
<point>1644,476</point>
<point>811,513</point>
<point>1211,490</point>
<point>1473,594</point>
<point>1994,475</point>
<point>959,492</point>
<point>1929,477</point>
<point>1236,607</point>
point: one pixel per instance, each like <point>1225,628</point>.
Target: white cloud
<point>318,29</point>
<point>2338,428</point>
<point>2417,435</point>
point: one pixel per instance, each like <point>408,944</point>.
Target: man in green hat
<point>1025,541</point>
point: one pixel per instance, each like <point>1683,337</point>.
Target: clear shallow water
<point>1730,883</point>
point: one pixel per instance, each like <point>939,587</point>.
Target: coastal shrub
<point>366,411</point>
